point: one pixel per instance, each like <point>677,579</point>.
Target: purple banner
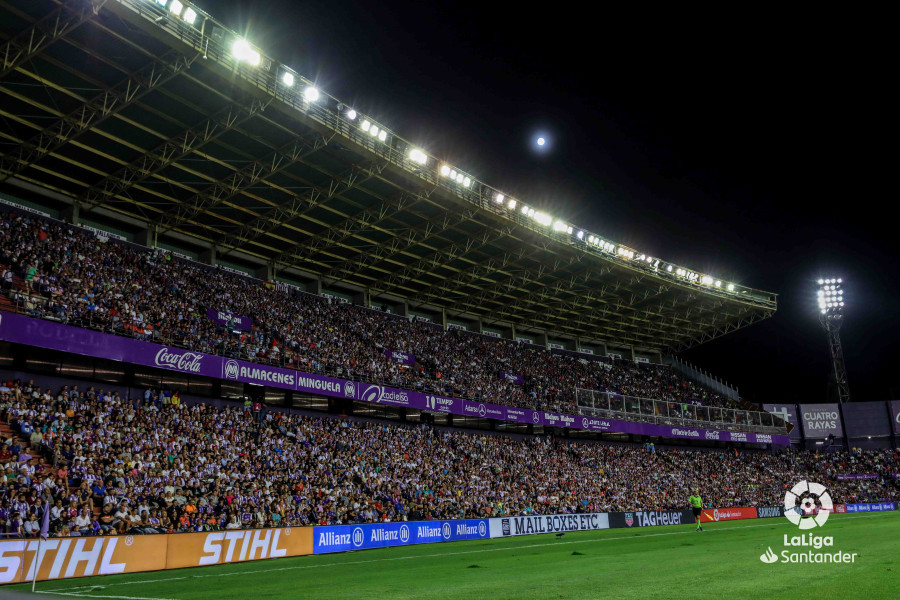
<point>400,357</point>
<point>513,378</point>
<point>895,415</point>
<point>851,476</point>
<point>47,334</point>
<point>224,317</point>
<point>821,420</point>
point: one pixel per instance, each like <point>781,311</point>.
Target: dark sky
<point>741,144</point>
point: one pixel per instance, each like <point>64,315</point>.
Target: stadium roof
<point>153,110</point>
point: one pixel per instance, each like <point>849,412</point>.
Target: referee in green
<point>697,505</point>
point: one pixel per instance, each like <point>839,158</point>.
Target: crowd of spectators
<point>71,275</point>
<point>116,465</point>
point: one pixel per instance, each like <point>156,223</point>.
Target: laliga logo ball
<point>794,508</point>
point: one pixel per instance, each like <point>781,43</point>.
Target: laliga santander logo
<point>795,512</point>
<point>231,369</point>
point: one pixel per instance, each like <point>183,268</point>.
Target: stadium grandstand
<point>231,302</point>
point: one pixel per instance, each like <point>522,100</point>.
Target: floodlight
<point>365,125</point>
<point>161,2</point>
<point>569,230</point>
<point>175,7</point>
<point>242,52</point>
<point>669,268</point>
<point>445,170</point>
<point>351,114</point>
<point>541,141</point>
<point>821,281</point>
<point>382,135</point>
<point>453,173</point>
<point>459,177</point>
<point>580,235</point>
<point>559,226</point>
<point>718,284</point>
<point>525,210</point>
<point>707,280</point>
<point>467,182</point>
<point>189,16</point>
<point>311,94</point>
<point>418,156</point>
<point>287,79</point>
<point>730,287</point>
<point>512,205</point>
<point>498,198</point>
<point>373,130</point>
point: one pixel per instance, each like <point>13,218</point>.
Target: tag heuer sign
<point>629,519</point>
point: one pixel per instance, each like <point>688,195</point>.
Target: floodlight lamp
<point>287,78</point>
<point>311,94</point>
<point>821,281</point>
<point>459,177</point>
<point>175,7</point>
<point>498,198</point>
<point>669,268</point>
<point>189,16</point>
<point>525,210</point>
<point>580,235</point>
<point>718,284</point>
<point>467,182</point>
<point>373,130</point>
<point>445,170</point>
<point>418,156</point>
<point>242,52</point>
<point>382,135</point>
<point>453,173</point>
<point>365,125</point>
<point>569,230</point>
<point>730,287</point>
<point>512,204</point>
<point>824,311</point>
<point>839,280</point>
<point>161,2</point>
<point>351,114</point>
<point>559,226</point>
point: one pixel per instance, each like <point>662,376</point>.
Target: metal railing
<point>609,405</point>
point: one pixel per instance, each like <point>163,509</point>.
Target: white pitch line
<point>438,555</point>
<point>80,595</point>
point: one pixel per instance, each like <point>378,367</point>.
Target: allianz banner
<point>63,558</point>
<point>536,524</point>
<point>821,420</point>
<point>342,538</point>
<point>870,507</point>
<point>650,518</point>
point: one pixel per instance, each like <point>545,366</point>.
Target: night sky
<point>740,144</point>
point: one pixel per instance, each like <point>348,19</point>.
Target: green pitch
<point>655,562</point>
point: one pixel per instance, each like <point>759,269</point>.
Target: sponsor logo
<point>629,519</point>
<point>769,557</point>
<point>506,529</point>
<point>657,517</point>
<point>446,531</point>
<point>261,543</point>
<point>685,432</point>
<point>536,417</point>
<point>359,537</point>
<point>264,374</point>
<point>737,436</point>
<point>481,410</point>
<point>188,362</point>
<point>763,438</point>
<point>377,394</point>
<point>404,534</point>
<point>712,435</point>
<point>315,383</point>
<point>765,512</point>
<point>820,420</point>
<point>231,369</point>
<point>799,501</point>
<point>349,389</point>
<point>482,529</point>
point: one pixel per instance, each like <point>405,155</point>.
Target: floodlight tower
<point>831,314</point>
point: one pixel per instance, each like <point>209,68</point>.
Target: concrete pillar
<point>209,256</point>
<point>72,214</point>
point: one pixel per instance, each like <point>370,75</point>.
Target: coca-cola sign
<point>189,362</point>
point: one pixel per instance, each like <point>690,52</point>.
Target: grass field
<point>655,562</point>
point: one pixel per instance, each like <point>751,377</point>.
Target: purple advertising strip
<point>849,476</point>
<point>895,415</point>
<point>54,336</point>
<point>224,317</point>
<point>400,357</point>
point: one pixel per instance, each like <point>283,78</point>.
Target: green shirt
<point>696,502</point>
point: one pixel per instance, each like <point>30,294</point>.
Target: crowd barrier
<point>55,558</point>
